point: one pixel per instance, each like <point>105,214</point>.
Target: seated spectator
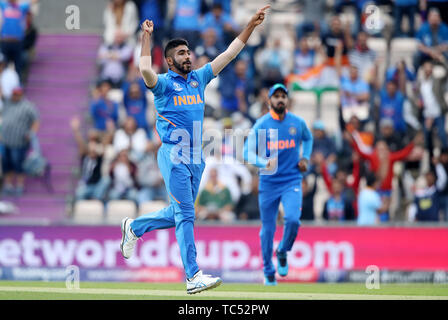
<point>324,145</point>
<point>215,201</point>
<point>102,109</point>
<point>433,39</point>
<point>150,180</point>
<point>274,63</point>
<point>120,19</point>
<point>431,92</point>
<point>440,5</point>
<point>247,206</point>
<point>113,59</point>
<point>14,17</point>
<point>426,206</point>
<point>387,132</point>
<point>308,192</point>
<point>136,104</point>
<point>337,36</point>
<point>226,29</point>
<point>362,57</point>
<point>370,204</point>
<point>354,93</point>
<point>231,173</point>
<point>92,185</point>
<point>133,139</point>
<point>407,8</point>
<point>337,208</point>
<point>20,121</point>
<point>209,46</point>
<point>261,105</point>
<point>392,107</point>
<point>304,57</point>
<point>123,174</point>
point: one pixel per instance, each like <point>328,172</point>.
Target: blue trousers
<point>269,199</point>
<point>182,184</point>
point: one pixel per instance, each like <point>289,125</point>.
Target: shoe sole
<point>197,290</point>
<point>123,235</point>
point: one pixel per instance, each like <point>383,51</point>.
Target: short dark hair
<point>173,44</point>
<point>370,179</point>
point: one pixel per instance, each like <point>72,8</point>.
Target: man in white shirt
<point>132,138</point>
<point>432,103</point>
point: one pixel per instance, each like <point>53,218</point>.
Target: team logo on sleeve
<point>177,87</point>
<point>194,84</point>
<point>292,131</point>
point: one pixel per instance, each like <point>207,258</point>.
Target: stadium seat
<point>88,212</point>
<point>119,209</point>
<point>402,48</point>
<point>379,45</point>
<point>151,206</point>
<point>304,104</point>
<point>329,104</point>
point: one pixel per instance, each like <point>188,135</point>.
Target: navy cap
<point>275,87</point>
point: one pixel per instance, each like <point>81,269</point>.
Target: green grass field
<point>14,290</point>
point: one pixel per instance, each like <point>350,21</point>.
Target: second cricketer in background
<point>274,145</point>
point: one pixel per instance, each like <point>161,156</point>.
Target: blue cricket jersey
<point>13,19</point>
<point>272,138</point>
<point>180,105</point>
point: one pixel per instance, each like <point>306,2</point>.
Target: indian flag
<point>319,79</point>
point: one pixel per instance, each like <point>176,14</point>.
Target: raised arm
<point>145,63</point>
<point>221,61</point>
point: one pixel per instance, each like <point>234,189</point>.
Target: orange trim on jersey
<point>165,119</point>
<point>174,198</point>
<point>274,115</point>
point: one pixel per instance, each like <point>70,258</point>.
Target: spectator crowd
<point>387,160</point>
<point>19,119</point>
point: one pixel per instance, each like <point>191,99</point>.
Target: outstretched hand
<point>258,17</point>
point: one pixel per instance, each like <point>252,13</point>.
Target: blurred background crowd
<point>368,77</point>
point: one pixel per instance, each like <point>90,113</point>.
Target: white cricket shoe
<point>201,282</point>
<point>128,238</point>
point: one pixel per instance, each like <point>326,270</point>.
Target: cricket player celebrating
<point>274,146</point>
<point>179,101</point>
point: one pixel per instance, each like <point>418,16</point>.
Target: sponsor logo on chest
<point>187,100</point>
